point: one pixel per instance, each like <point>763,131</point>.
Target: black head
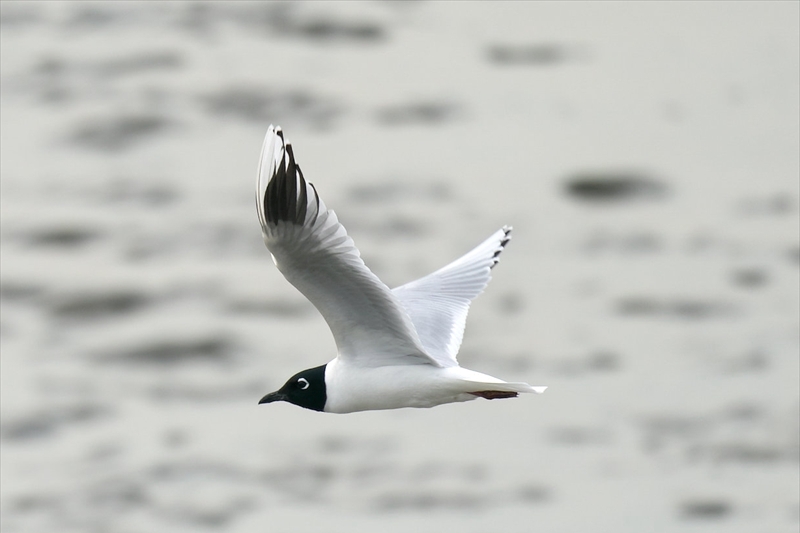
<point>306,389</point>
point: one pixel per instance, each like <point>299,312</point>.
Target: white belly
<point>354,388</point>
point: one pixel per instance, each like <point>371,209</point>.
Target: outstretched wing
<point>313,251</point>
<point>439,302</point>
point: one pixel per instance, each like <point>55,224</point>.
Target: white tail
<point>505,387</point>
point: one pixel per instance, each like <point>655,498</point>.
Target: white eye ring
<point>303,382</point>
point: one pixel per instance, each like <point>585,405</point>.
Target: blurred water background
<point>646,154</point>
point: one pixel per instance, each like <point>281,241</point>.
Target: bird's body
<point>356,388</point>
<point>396,348</point>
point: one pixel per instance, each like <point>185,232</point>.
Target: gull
<point>395,347</point>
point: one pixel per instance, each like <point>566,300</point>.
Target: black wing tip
<point>506,236</point>
<point>503,241</point>
<point>286,196</point>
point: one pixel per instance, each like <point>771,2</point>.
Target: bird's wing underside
<point>315,254</point>
<point>438,303</point>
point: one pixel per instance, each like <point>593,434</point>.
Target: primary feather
<point>315,254</point>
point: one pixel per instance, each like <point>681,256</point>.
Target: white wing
<point>439,302</point>
<point>314,252</point>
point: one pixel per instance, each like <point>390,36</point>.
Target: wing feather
<point>315,254</point>
<point>439,302</point>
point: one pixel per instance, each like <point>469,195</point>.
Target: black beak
<point>276,396</point>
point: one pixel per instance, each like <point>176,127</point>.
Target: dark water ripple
<point>94,306</point>
<point>118,132</point>
<point>705,509</point>
<point>606,187</point>
<point>265,104</point>
<point>424,112</point>
<point>741,434</point>
<point>64,236</point>
<point>531,54</point>
<point>398,191</point>
<point>687,309</point>
<point>45,423</point>
<point>204,348</point>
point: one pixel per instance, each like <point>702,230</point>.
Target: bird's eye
<point>302,383</point>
